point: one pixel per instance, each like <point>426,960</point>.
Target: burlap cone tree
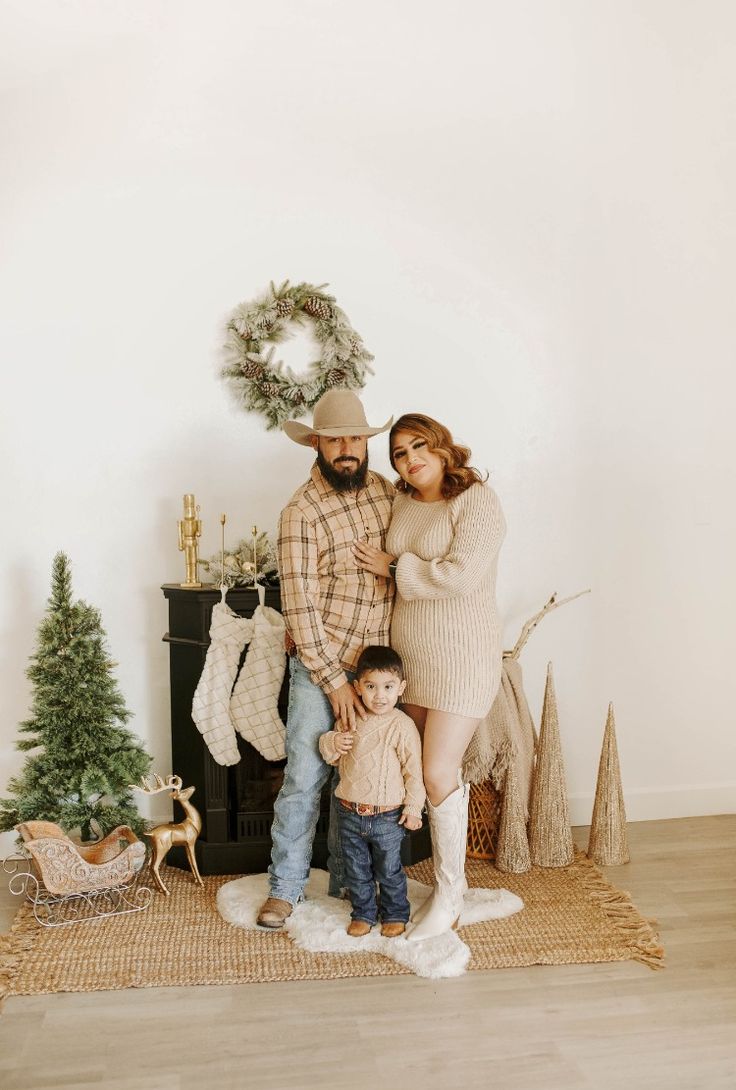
<point>512,848</point>
<point>550,835</point>
<point>607,844</point>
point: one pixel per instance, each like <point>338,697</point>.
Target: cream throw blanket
<point>506,735</point>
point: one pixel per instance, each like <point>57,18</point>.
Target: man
<point>332,610</point>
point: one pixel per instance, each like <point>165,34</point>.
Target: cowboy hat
<point>338,412</point>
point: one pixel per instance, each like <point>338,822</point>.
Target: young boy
<point>381,793</point>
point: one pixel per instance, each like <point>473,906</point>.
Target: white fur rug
<point>319,923</point>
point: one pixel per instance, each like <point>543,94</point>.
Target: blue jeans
<point>296,810</point>
<point>371,851</point>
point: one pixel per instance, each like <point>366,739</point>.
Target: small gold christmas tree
<point>607,844</point>
<point>512,848</point>
<point>550,835</point>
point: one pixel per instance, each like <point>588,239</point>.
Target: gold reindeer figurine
<point>184,832</point>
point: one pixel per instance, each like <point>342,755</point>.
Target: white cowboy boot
<point>448,825</point>
<point>420,912</point>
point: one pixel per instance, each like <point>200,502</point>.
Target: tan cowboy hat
<point>338,412</point>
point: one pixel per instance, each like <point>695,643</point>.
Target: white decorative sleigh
<point>69,883</point>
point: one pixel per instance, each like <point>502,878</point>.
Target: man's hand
<point>343,742</point>
<point>345,703</point>
<point>412,823</point>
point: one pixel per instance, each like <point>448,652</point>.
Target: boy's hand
<point>412,823</point>
<point>343,741</point>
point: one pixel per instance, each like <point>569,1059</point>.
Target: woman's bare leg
<point>445,739</point>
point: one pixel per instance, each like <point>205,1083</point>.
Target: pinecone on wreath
<point>317,308</point>
<point>242,330</point>
<point>284,307</point>
<point>262,385</point>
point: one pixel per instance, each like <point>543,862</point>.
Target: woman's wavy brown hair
<point>458,474</point>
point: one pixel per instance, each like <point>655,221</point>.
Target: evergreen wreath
<point>265,386</point>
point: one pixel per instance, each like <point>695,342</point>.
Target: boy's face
<point>379,690</point>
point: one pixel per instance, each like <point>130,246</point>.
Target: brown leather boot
<point>358,928</point>
<point>273,913</point>
<point>393,930</point>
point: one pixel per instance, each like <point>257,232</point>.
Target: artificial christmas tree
<point>87,757</point>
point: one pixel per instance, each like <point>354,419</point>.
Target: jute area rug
<point>571,915</point>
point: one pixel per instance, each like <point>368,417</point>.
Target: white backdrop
<point>527,212</point>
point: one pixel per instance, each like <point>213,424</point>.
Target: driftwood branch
<point>532,623</point>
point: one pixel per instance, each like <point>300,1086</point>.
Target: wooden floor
<point>544,1028</point>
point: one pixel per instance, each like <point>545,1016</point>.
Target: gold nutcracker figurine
<point>190,528</point>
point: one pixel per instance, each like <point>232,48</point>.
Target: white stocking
<point>254,701</point>
<point>211,704</point>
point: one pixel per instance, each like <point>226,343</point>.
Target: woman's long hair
<point>458,474</point>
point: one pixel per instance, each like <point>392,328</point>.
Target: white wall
<point>527,212</point>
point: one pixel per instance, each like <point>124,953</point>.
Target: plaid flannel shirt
<point>332,607</point>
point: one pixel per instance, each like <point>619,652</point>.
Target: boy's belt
<point>364,808</point>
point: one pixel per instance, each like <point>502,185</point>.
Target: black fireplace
<point>236,802</point>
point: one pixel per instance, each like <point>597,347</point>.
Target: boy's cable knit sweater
<point>384,767</point>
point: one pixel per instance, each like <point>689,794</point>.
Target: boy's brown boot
<point>273,912</point>
<point>358,928</point>
<point>392,930</point>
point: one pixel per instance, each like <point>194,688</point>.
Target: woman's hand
<point>410,822</point>
<point>372,559</point>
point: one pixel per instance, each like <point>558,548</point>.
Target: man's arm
<point>300,596</point>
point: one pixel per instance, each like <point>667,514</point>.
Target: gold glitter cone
<point>550,835</point>
<point>512,848</point>
<point>607,844</point>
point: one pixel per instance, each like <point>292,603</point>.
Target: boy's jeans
<point>296,810</point>
<point>371,852</point>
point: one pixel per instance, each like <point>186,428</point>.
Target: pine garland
<point>239,564</point>
<point>86,757</point>
<point>265,386</point>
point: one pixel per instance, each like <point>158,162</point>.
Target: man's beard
<point>348,478</point>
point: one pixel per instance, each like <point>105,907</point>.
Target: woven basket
<point>484,811</point>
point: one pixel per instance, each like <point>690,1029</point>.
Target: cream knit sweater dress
<point>445,625</point>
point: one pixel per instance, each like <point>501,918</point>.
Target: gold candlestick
<point>190,529</point>
<point>254,532</point>
<point>223,520</point>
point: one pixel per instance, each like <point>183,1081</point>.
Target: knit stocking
<point>211,704</point>
<point>254,701</point>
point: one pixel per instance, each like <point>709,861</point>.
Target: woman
<point>446,530</point>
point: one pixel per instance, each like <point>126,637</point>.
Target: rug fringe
<point>17,941</point>
<point>7,964</point>
<point>640,932</point>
